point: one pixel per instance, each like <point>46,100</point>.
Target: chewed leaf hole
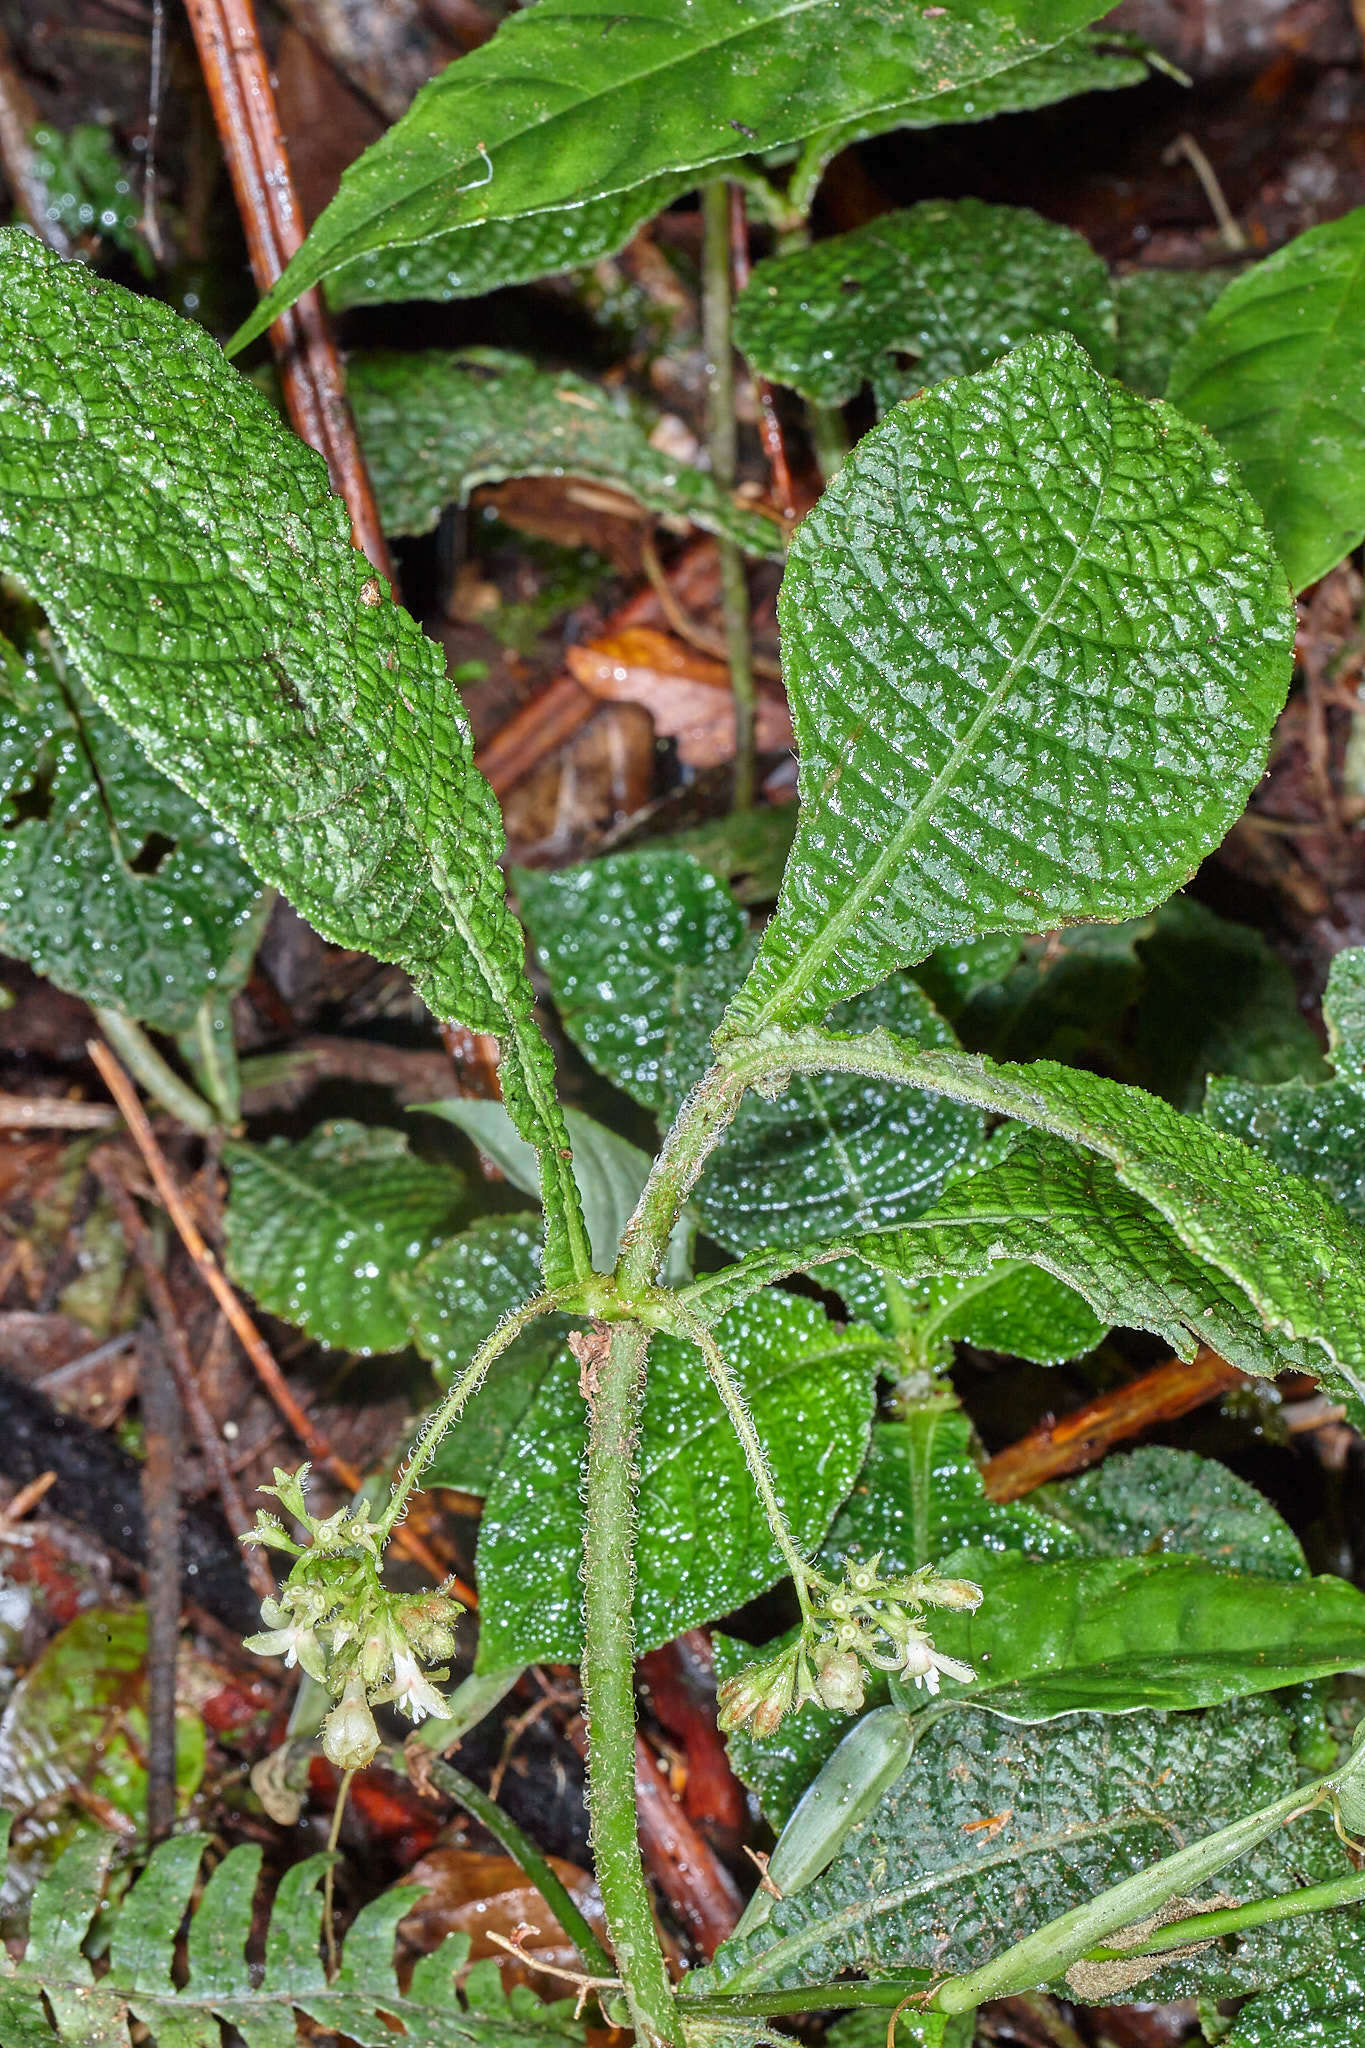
<point>155,848</point>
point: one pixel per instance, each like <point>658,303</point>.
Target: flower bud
<point>959,1594</point>
<point>350,1739</point>
<point>839,1682</point>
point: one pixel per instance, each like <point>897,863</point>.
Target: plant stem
<point>756,1457</point>
<point>467,1384</point>
<point>217,1056</point>
<point>161,1082</point>
<point>829,436</point>
<point>721,435</point>
<point>525,1854</point>
<point>700,1125</point>
<point>816,1998</point>
<point>1317,1898</point>
<point>615,1382</point>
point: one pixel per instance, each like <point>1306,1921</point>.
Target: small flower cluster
<point>337,1621</point>
<point>867,1623</point>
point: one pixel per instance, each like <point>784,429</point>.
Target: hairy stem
<point>756,1457</point>
<point>615,1380</point>
<point>700,1125</point>
<point>467,1384</point>
<point>721,438</point>
<point>1316,1898</point>
<point>524,1853</point>
<point>147,1067</point>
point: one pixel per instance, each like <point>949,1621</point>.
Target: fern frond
<point>52,1995</point>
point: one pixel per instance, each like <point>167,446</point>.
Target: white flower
<point>923,1663</point>
<point>295,1643</point>
<point>415,1695</point>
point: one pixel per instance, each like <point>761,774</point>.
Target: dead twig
<point>238,80</point>
<point>1082,1438</point>
<point>680,621</point>
<point>138,1239</point>
<point>247,1335</point>
<point>587,1987</point>
<point>23,1504</point>
<point>770,426</point>
<point>161,1507</point>
<point>53,1113</point>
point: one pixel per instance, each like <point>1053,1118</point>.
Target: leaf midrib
<point>816,955</point>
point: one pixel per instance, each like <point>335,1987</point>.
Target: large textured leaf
<point>113,882</point>
<point>703,1546</point>
<point>1274,371</point>
<point>1158,311</point>
<point>323,1232</point>
<point>571,102</point>
<point>937,291</point>
<point>194,564</point>
<point>643,951</point>
<point>1157,1499</point>
<point>362,2003</point>
<point>1324,2010</point>
<point>1297,1258</point>
<point>1318,1132</point>
<point>434,425</point>
<point>995,1829</point>
<point>1001,626</point>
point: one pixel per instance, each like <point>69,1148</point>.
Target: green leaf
<point>608,1169</point>
<point>113,882</point>
<point>1295,1256</point>
<point>434,425</point>
<point>1157,1499</point>
<point>362,2003</point>
<point>622,940</point>
<point>1097,61</point>
<point>1013,1308</point>
<point>939,290</point>
<point>996,1829</point>
<point>570,103</point>
<point>194,564</point>
<point>1326,2010</point>
<point>1316,1132</point>
<point>809,1387</point>
<point>642,952</point>
<point>913,2030</point>
<point>456,1297</point>
<point>469,261</point>
<point>1000,625</point>
<point>1158,311</point>
<point>324,1232</point>
<point>1274,371</point>
<point>747,849</point>
<point>1111,1634</point>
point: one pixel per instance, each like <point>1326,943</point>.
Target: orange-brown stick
<point>314,385</point>
<point>1083,1437</point>
<point>245,1331</point>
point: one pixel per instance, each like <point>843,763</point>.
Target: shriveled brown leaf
<point>469,1892</point>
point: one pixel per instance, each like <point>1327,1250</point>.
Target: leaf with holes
<point>435,425</point>
<point>200,575</point>
<point>572,102</point>
<point>113,882</point>
<point>1000,624</point>
<point>324,1232</point>
<point>937,291</point>
<point>809,1387</point>
<point>1274,371</point>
